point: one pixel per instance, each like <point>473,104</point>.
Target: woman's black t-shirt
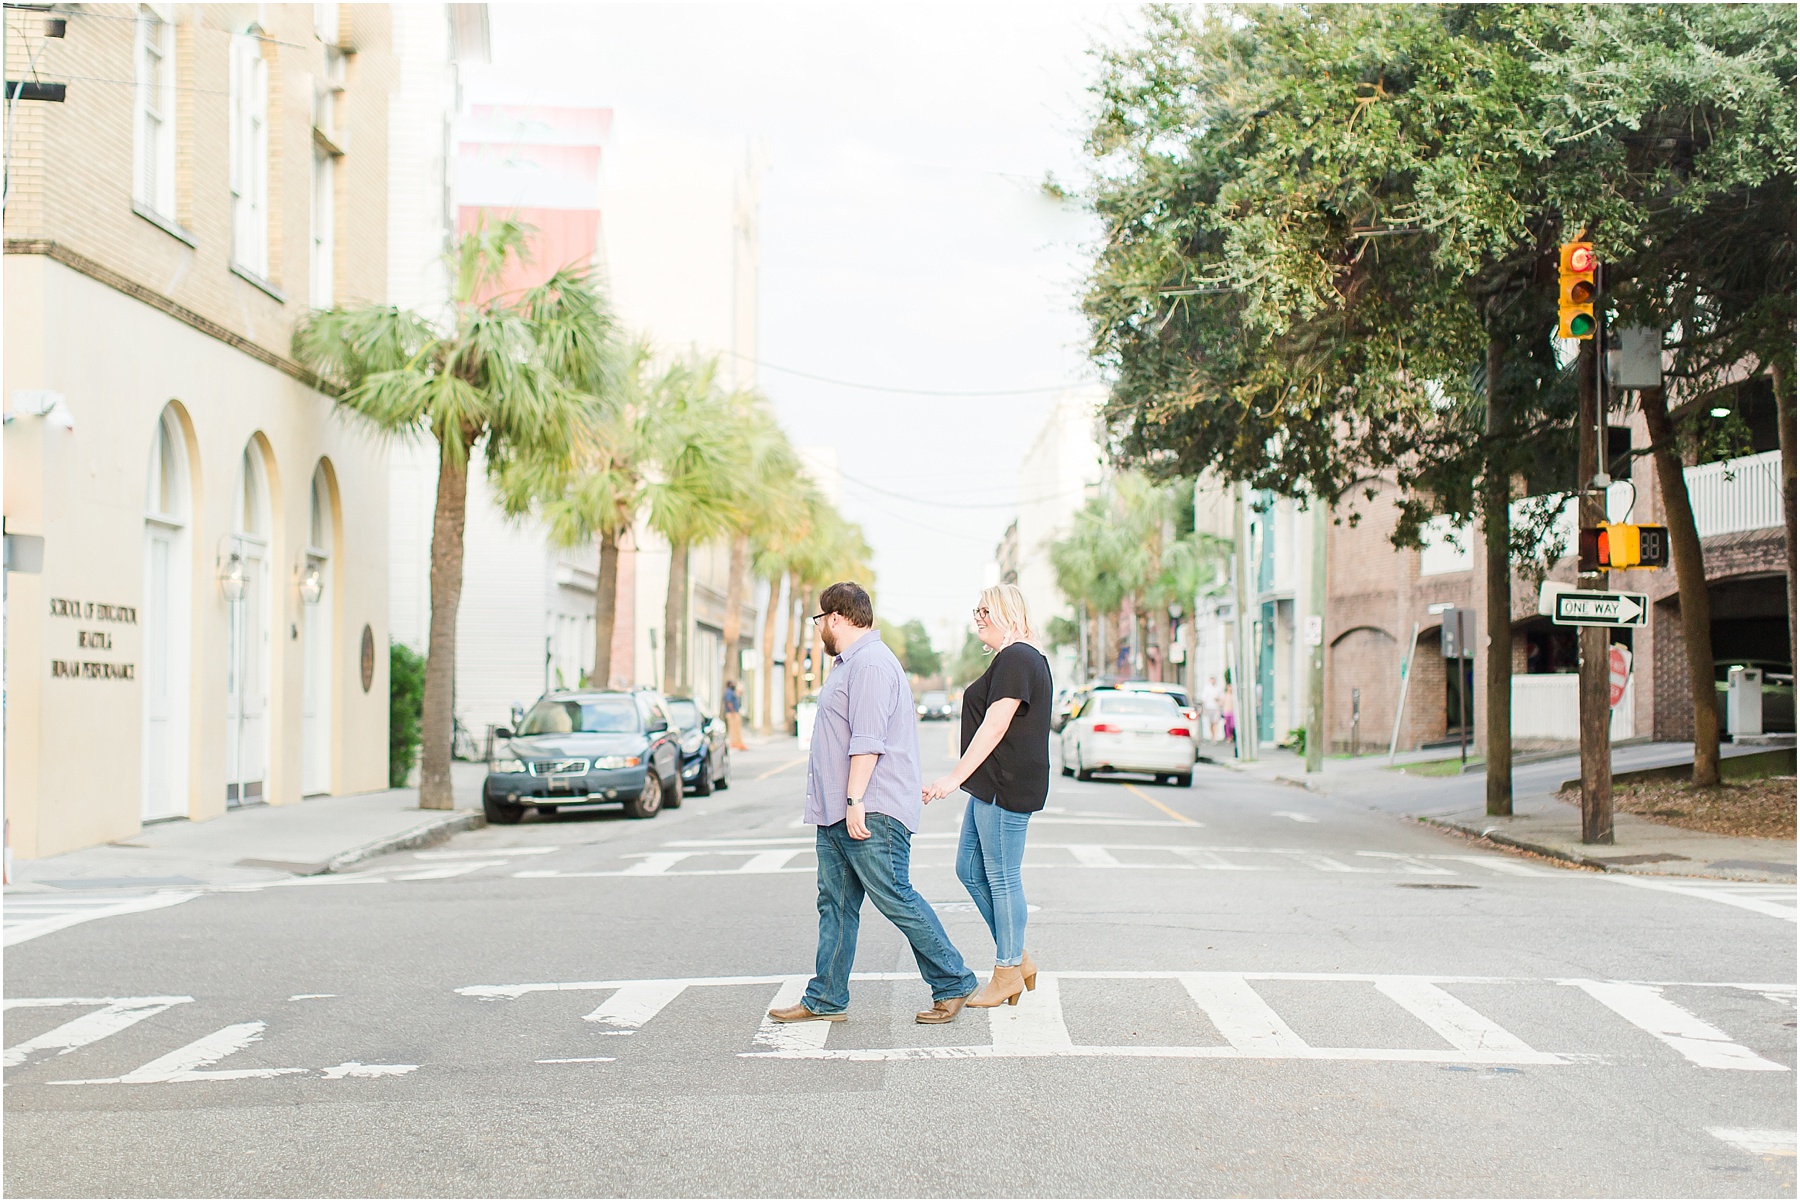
<point>1016,774</point>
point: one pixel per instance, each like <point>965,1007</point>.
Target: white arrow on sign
<point>1601,609</point>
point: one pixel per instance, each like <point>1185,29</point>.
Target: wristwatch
<point>853,801</point>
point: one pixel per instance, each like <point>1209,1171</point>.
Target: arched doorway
<point>167,619</point>
<point>245,576</point>
<point>317,599</point>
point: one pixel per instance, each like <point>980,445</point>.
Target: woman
<point>1005,768</point>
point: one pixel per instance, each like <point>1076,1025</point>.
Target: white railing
<point>1548,706</point>
<point>1736,494</point>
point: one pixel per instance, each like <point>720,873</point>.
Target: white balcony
<point>1736,494</point>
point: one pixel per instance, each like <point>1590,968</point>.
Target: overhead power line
<point>951,392</point>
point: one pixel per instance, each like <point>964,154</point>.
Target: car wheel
<point>1182,780</point>
<point>501,813</point>
<point>724,781</point>
<point>649,801</point>
<point>1082,772</point>
<point>703,782</point>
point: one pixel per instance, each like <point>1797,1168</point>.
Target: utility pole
<point>1244,687</point>
<point>1596,710</point>
<point>1315,638</point>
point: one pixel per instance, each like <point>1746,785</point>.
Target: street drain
<point>1432,885</point>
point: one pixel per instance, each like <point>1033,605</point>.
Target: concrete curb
<point>1542,849</point>
<point>424,835</point>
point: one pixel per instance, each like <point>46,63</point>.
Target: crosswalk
<point>1430,1022</point>
<point>30,915</point>
<point>1776,901</point>
<point>1485,1023</point>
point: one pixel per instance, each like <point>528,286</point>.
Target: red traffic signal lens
<point>1581,325</point>
<point>1582,259</point>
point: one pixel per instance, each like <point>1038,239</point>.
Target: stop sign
<point>1618,671</point>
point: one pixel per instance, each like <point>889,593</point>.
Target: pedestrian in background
<point>863,795</point>
<point>1228,712</point>
<point>1210,713</point>
<point>1005,769</point>
<point>734,717</point>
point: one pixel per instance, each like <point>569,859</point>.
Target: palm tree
<point>504,373</point>
<point>767,500</point>
<point>689,497</point>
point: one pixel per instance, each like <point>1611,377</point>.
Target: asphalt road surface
<point>1245,989</point>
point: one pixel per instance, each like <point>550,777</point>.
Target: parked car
<point>1070,703</point>
<point>1175,693</point>
<point>579,749</point>
<point>1127,731</point>
<point>936,706</point>
<point>1777,691</point>
<point>705,747</point>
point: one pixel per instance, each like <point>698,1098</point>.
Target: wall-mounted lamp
<point>1721,411</point>
<point>312,584</point>
<point>234,576</point>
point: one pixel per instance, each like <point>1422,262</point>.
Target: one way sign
<point>1580,608</point>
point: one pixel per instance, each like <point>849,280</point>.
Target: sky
<point>906,241</point>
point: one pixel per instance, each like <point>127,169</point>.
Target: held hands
<point>856,821</point>
<point>943,786</point>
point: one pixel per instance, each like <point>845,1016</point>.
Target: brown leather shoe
<point>941,1012</point>
<point>1028,969</point>
<point>800,1014</point>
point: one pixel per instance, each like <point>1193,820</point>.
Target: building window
<point>153,185</point>
<point>249,155</point>
<point>324,175</point>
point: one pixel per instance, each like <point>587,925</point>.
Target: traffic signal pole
<point>1596,710</point>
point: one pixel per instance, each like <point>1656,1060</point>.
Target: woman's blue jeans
<point>987,861</point>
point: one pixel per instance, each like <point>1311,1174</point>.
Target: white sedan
<point>1129,732</point>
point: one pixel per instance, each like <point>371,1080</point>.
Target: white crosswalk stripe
<point>30,915</point>
<point>1777,901</point>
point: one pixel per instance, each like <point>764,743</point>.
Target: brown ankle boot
<point>1027,969</point>
<point>1005,985</point>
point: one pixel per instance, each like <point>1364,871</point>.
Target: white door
<point>165,711</point>
<point>315,732</point>
<point>246,691</point>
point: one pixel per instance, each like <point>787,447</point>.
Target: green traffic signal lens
<point>1581,325</point>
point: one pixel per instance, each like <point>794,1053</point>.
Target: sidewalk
<point>261,843</point>
<point>1540,823</point>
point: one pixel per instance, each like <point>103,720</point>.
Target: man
<point>734,717</point>
<point>863,795</point>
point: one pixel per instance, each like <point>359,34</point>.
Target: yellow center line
<point>782,768</point>
<point>1159,805</point>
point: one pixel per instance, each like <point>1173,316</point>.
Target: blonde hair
<point>1006,609</point>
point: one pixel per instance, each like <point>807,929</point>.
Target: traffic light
<point>1620,545</point>
<point>1577,285</point>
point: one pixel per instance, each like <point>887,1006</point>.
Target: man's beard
<point>830,641</point>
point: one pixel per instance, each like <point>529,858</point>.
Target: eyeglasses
<point>817,618</point>
<point>981,613</point>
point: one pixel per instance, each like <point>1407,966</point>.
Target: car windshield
<point>934,699</point>
<point>1134,703</point>
<point>684,714</point>
<point>606,715</point>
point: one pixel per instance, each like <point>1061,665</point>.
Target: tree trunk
<point>765,717</point>
<point>791,677</point>
<point>1097,644</point>
<point>1496,499</point>
<point>1690,579</point>
<point>675,676</point>
<point>606,604</point>
<point>438,710</point>
<point>734,605</point>
<point>1784,423</point>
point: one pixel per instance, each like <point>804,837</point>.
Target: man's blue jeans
<point>877,867</point>
<point>987,861</point>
